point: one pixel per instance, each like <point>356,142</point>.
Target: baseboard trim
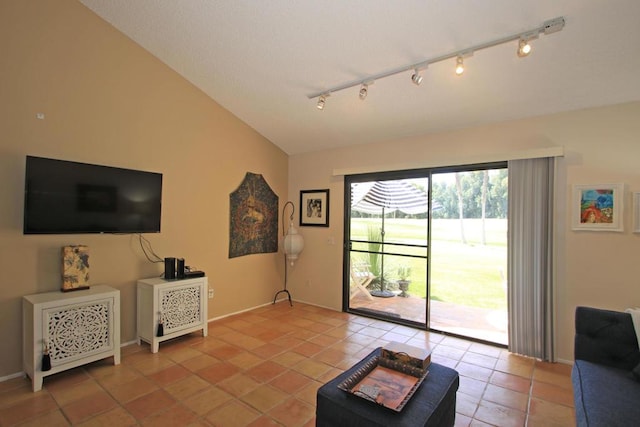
<point>316,305</point>
<point>246,309</point>
<point>12,376</point>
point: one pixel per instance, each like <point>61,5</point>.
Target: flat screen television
<point>63,197</point>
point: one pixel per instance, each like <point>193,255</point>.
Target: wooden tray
<point>386,382</point>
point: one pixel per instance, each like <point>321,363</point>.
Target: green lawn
<point>466,274</point>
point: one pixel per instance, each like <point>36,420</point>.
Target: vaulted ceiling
<point>261,59</point>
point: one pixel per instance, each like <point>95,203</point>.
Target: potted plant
<point>375,259</point>
<point>404,271</point>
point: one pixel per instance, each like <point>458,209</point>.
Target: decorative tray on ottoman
<point>386,382</point>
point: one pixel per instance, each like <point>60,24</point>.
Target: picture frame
<point>636,212</point>
<point>597,207</point>
<point>314,208</point>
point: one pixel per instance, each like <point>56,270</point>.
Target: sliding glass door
<point>428,248</point>
<point>468,294</point>
<point>386,261</point>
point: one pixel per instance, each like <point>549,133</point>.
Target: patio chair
<point>361,277</point>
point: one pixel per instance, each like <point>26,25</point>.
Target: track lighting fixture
<point>524,48</point>
<point>364,89</point>
<point>321,102</point>
<point>416,78</point>
<point>459,65</point>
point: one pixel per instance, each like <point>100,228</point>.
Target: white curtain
<point>530,257</point>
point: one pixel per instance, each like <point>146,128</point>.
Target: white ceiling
<point>260,60</point>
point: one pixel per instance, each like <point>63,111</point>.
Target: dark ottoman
<point>433,404</point>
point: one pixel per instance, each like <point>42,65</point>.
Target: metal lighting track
<point>548,27</point>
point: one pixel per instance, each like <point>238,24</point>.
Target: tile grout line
<point>533,371</point>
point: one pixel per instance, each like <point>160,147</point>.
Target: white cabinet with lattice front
<point>171,308</point>
<point>63,330</point>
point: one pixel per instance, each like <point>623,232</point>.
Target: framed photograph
<point>314,208</point>
<point>597,207</point>
<point>636,212</point>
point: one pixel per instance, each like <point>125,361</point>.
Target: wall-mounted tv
<point>64,197</point>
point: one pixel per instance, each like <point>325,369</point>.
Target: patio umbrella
<point>383,197</point>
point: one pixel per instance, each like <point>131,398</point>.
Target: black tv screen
<point>63,197</point>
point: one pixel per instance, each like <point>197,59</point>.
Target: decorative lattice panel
<point>78,331</point>
<point>180,307</point>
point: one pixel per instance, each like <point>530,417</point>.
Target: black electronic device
<point>169,268</point>
<point>64,197</point>
<point>192,274</point>
<point>180,269</point>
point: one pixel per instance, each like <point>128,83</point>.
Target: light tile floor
<point>263,368</point>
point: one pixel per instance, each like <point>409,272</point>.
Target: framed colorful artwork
<point>75,268</point>
<point>314,208</point>
<point>598,207</point>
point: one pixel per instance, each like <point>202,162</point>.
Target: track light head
<point>364,90</point>
<point>524,48</point>
<point>321,102</point>
<point>459,65</point>
<point>416,78</point>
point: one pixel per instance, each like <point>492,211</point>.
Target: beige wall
<point>108,101</point>
<point>602,145</point>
